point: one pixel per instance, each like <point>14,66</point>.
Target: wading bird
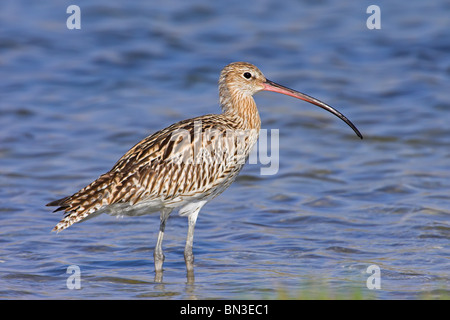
<point>185,165</point>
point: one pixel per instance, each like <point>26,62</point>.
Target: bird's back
<point>192,160</point>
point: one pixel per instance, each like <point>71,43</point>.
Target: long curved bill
<point>275,87</point>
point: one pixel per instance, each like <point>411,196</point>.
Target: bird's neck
<point>242,108</point>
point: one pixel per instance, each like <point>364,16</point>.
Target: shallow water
<point>73,101</point>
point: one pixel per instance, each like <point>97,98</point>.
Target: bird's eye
<point>247,75</point>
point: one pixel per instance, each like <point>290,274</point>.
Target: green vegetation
<point>322,292</point>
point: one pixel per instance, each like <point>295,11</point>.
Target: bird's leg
<point>188,255</point>
<point>158,253</point>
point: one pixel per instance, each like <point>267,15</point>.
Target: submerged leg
<point>188,255</point>
<point>158,253</point>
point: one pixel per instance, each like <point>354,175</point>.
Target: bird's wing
<point>178,160</point>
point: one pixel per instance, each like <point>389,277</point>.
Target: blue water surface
<point>73,101</point>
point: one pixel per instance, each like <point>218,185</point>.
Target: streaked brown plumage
<point>184,165</point>
<point>151,171</point>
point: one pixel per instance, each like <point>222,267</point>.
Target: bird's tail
<point>84,203</point>
<point>72,215</point>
